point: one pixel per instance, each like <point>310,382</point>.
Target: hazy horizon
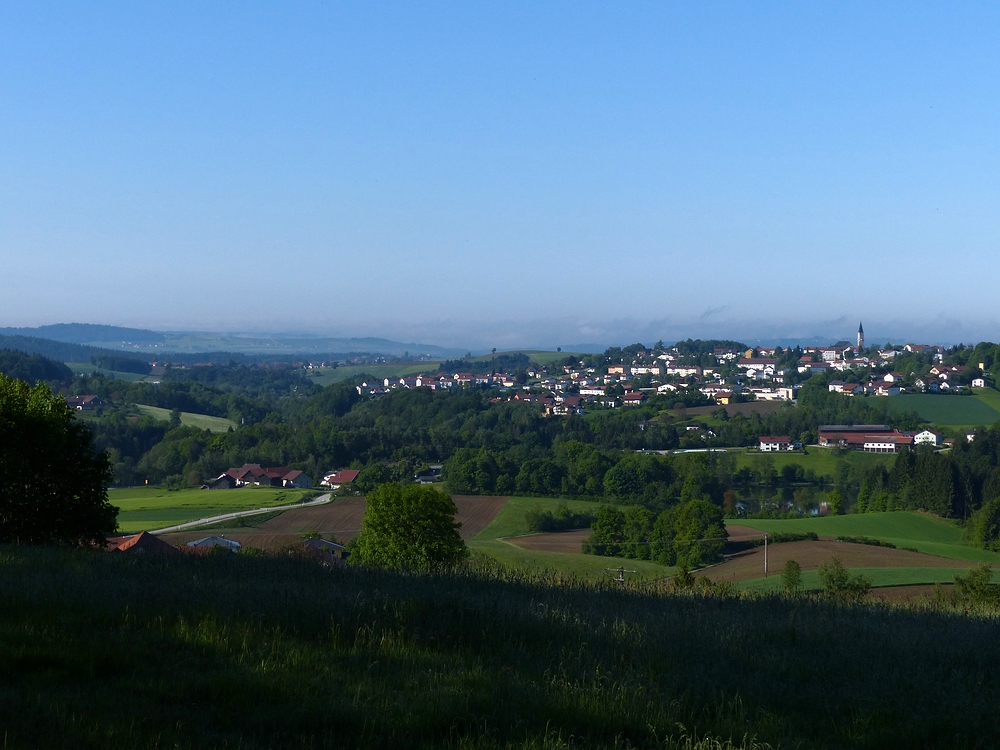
<point>512,175</point>
<point>571,336</point>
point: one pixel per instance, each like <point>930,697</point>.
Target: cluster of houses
<point>759,374</point>
<point>255,475</point>
<point>942,379</point>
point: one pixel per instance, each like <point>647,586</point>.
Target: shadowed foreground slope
<point>110,651</point>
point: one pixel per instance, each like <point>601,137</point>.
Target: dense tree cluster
<point>32,368</point>
<point>691,534</point>
<point>952,484</point>
<point>53,486</point>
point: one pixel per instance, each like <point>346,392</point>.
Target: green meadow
<point>510,522</point>
<point>190,419</point>
<point>982,408</point>
<point>821,460</point>
<point>919,531</point>
<point>535,355</point>
<point>325,376</point>
<point>150,508</point>
<point>880,577</point>
<point>84,368</point>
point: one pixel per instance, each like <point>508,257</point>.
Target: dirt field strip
<point>341,519</point>
<point>748,565</point>
<point>561,541</point>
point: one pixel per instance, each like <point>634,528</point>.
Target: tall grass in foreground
<point>109,651</point>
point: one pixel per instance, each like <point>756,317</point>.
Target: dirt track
<point>341,520</point>
<point>810,555</point>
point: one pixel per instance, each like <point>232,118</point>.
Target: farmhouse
<point>775,443</point>
<point>928,437</point>
<point>336,479</point>
<point>83,403</point>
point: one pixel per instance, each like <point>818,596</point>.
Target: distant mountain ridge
<point>86,333</point>
<point>145,343</point>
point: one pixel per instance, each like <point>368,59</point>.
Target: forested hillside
<point>32,367</point>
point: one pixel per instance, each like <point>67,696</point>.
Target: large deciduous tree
<point>53,485</point>
<point>408,527</point>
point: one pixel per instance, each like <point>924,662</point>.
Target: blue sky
<point>508,173</point>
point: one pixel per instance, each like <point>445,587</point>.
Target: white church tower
<point>861,337</point>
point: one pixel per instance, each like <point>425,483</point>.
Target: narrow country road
<point>321,500</point>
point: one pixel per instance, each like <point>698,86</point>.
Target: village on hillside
<point>723,376</point>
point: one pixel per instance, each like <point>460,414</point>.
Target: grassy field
<point>932,536</point>
<point>989,396</point>
<point>115,651</point>
<point>541,357</point>
<point>189,419</point>
<point>329,375</point>
<point>510,522</point>
<point>821,460</point>
<point>84,368</point>
<point>880,577</point>
<point>148,508</point>
<point>966,411</point>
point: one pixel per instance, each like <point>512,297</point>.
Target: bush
<point>840,585</point>
<point>563,519</point>
<point>791,577</point>
<point>977,586</point>
<point>866,540</point>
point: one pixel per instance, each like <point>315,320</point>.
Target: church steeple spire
<point>861,336</point>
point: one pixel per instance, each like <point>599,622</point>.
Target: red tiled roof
<point>345,476</point>
<point>141,542</point>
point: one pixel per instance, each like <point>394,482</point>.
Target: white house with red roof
<point>771,443</point>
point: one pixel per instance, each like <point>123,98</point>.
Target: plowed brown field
<point>562,541</point>
<point>810,555</point>
<point>341,520</point>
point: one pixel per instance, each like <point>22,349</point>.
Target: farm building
<point>326,550</point>
<point>770,443</point>
<point>215,541</point>
<point>336,479</point>
<point>928,437</point>
<point>143,543</point>
<point>255,474</point>
<point>872,438</point>
<point>83,403</point>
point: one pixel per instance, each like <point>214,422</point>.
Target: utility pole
<point>765,555</point>
<point>620,579</point>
